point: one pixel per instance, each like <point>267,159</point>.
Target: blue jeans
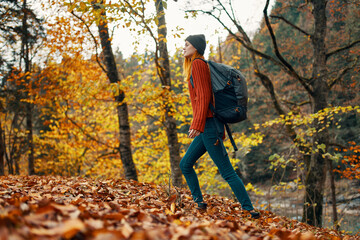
<point>205,142</point>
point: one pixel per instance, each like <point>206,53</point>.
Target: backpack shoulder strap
<point>192,81</point>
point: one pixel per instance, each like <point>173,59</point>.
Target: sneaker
<point>255,215</point>
<point>201,206</point>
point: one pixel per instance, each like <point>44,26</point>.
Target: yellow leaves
<point>235,57</point>
<point>115,88</point>
<point>163,40</point>
<point>176,35</point>
<point>83,6</point>
<point>86,124</point>
<point>249,187</point>
<point>298,121</point>
<point>161,27</point>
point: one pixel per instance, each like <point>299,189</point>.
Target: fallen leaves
<point>33,207</point>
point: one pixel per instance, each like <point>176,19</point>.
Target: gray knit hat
<point>198,41</point>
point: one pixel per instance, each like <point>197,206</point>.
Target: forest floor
<point>48,207</point>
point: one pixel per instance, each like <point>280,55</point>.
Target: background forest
<point>71,105</point>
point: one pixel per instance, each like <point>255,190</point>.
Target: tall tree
<point>163,65</point>
<point>25,56</point>
<point>316,168</point>
<point>2,148</point>
<point>317,85</point>
<point>113,75</point>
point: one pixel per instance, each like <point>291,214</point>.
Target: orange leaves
<point>351,162</point>
<point>66,229</point>
<point>75,208</point>
<point>291,235</point>
<point>78,108</point>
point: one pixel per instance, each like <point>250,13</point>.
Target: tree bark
<point>163,67</point>
<point>2,151</point>
<point>28,108</point>
<point>29,128</point>
<point>333,194</point>
<point>122,108</point>
<point>316,175</point>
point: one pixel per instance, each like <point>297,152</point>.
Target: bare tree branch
<point>232,10</point>
<point>334,144</point>
<point>291,24</point>
<point>342,73</point>
<point>278,54</point>
<point>328,55</point>
<point>245,43</point>
<point>265,80</point>
<point>297,104</point>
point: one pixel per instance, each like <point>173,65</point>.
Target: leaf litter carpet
<point>48,207</point>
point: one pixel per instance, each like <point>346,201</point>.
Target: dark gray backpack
<point>230,93</point>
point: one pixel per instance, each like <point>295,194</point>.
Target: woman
<point>204,130</point>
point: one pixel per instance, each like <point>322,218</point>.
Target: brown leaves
<point>75,208</point>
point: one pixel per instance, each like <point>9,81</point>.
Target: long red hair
<point>187,65</point>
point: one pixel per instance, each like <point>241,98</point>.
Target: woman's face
<point>189,50</point>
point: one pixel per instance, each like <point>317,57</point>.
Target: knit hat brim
<point>198,41</point>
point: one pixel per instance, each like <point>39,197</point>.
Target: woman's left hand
<point>193,133</point>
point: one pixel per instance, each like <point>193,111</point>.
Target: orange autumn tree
<point>80,139</point>
<point>75,101</point>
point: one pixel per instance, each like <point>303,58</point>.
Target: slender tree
<point>25,56</point>
<point>2,148</point>
<point>122,109</point>
<point>163,65</point>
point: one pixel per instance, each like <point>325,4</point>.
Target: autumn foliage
<point>79,208</point>
<point>57,112</point>
<point>351,162</point>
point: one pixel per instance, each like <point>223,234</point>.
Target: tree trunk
<point>316,175</point>
<point>163,67</point>
<point>2,151</point>
<point>333,194</point>
<point>122,109</point>
<point>29,128</point>
<point>28,108</point>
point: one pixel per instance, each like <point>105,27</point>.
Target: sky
<point>248,12</point>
